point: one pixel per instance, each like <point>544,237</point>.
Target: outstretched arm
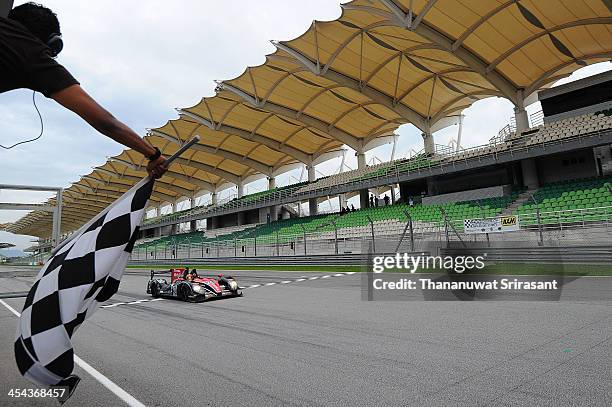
<point>77,100</point>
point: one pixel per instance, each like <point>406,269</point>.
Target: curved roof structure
<point>350,81</point>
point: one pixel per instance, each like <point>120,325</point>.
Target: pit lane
<point>314,342</point>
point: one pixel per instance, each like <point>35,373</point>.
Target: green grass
<point>518,269</point>
<point>324,269</point>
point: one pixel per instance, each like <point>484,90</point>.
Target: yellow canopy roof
<point>383,63</point>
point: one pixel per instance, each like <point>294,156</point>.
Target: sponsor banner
<point>494,225</point>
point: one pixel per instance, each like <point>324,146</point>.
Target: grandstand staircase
<point>294,213</point>
<point>520,199</point>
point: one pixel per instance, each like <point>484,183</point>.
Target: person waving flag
<point>82,272</point>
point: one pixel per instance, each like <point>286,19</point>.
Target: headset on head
<point>55,43</point>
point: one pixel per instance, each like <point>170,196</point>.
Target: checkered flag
<point>80,275</point>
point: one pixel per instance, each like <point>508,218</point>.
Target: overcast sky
<point>141,59</point>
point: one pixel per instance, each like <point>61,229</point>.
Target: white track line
<point>108,383</point>
<point>113,305</point>
<point>144,300</point>
<point>299,280</point>
<point>104,381</point>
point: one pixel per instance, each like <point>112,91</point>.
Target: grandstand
<point>558,200</point>
<point>348,84</point>
<point>278,195</point>
<point>568,202</point>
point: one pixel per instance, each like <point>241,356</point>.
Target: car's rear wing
<point>176,273</point>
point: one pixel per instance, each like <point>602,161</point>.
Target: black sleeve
<point>46,75</point>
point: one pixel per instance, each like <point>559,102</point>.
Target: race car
<point>193,288</point>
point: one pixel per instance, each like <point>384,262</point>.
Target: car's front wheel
<point>184,293</point>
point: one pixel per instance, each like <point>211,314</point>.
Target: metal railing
<point>578,226</point>
<point>392,174</point>
<point>536,118</point>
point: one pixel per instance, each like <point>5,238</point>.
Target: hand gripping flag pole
<point>82,272</point>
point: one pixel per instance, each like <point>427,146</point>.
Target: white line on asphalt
<point>113,305</point>
<point>350,272</point>
<point>104,381</point>
<point>8,307</point>
<point>108,383</point>
<point>252,286</point>
<point>144,300</point>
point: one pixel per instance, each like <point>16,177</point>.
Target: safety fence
<point>540,228</point>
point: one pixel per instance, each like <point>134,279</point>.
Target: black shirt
<point>25,62</point>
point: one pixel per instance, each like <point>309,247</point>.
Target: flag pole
<point>181,150</point>
<point>143,181</point>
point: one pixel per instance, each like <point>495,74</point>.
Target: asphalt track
<point>315,342</point>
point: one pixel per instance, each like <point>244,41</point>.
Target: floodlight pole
<point>277,248</point>
<point>373,238</point>
<point>541,241</point>
<point>408,226</point>
<point>445,226</point>
<point>483,217</point>
<point>304,231</point>
<point>335,235</point>
<point>448,223</point>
